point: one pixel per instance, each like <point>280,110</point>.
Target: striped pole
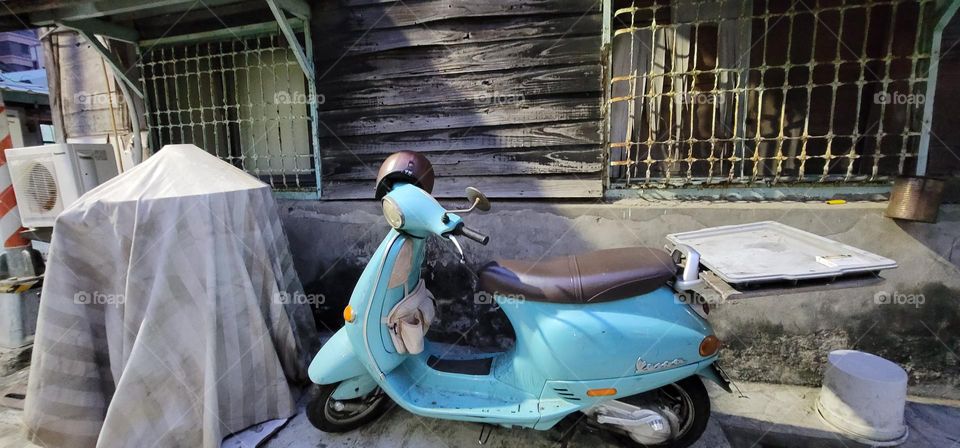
<point>10,225</point>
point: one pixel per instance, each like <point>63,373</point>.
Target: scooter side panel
<point>560,398</point>
<point>576,342</point>
<point>372,301</point>
<point>335,361</point>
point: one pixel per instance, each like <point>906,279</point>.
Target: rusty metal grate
<point>765,92</point>
<point>243,99</point>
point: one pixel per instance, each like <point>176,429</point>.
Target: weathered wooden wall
<point>504,95</point>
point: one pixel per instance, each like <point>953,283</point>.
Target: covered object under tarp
<point>165,316</point>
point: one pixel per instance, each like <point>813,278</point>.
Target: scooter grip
<point>473,234</point>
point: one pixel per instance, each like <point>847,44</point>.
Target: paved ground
<point>10,428</point>
<point>763,416</point>
<point>402,429</point>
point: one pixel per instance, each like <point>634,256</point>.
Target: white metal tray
<point>769,251</point>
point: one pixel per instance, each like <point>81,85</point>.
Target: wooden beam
<point>118,71</point>
<point>533,187</point>
<point>219,34</point>
<point>306,64</point>
<point>104,8</point>
<point>464,139</point>
<point>298,8</point>
<point>344,166</point>
<point>459,114</point>
<point>10,22</point>
<point>492,87</point>
<point>102,28</point>
<point>492,29</point>
<point>28,6</point>
<point>465,58</point>
<point>394,14</point>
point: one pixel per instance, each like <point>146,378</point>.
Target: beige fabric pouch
<point>410,319</point>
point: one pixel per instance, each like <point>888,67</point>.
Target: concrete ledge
<point>14,359</point>
<point>786,416</point>
<point>774,339</point>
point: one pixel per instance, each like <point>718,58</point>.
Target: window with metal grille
<point>243,99</point>
<point>766,91</point>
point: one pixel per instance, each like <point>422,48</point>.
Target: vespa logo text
<point>643,367</point>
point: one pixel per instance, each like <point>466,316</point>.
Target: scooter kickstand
<point>735,386</point>
<point>485,431</point>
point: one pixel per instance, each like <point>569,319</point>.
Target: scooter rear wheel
<point>687,399</point>
<point>331,415</point>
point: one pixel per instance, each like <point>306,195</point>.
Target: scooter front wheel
<point>331,415</point>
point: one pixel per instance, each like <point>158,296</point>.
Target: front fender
<point>336,361</point>
<point>354,387</point>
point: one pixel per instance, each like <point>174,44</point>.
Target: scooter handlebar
<point>471,234</point>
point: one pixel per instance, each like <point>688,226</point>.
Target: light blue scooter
<point>600,333</point>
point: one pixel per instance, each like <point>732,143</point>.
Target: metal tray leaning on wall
<point>769,258</point>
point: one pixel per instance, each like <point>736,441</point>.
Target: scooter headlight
<point>392,212</point>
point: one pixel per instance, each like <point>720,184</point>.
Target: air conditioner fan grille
<point>41,187</point>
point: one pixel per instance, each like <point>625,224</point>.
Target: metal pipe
<point>128,98</point>
<point>927,121</point>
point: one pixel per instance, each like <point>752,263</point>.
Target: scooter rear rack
<point>714,290</point>
<point>768,259</point>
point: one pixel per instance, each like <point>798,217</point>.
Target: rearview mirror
<point>477,199</point>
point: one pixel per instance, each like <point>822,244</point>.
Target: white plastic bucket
<point>864,396</point>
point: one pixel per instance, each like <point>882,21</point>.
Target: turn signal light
<point>348,316</point>
<point>601,392</point>
<point>709,346</point>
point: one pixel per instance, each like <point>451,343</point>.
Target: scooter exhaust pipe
<point>347,406</point>
<point>645,426</point>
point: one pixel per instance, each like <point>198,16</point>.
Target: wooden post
<point>51,59</point>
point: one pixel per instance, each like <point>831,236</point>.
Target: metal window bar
<point>762,92</point>
<point>243,99</point>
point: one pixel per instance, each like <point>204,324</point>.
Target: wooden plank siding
<point>504,95</point>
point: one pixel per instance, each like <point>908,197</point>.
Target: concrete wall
<point>774,339</point>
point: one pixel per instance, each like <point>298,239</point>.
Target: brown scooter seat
<point>591,277</point>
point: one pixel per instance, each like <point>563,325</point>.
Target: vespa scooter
<point>600,333</point>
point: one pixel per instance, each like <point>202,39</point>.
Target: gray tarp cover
<point>168,314</point>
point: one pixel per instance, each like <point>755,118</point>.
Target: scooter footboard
<point>336,361</point>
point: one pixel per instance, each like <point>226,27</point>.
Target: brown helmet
<point>405,166</point>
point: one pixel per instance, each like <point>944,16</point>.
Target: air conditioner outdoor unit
<point>48,178</point>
